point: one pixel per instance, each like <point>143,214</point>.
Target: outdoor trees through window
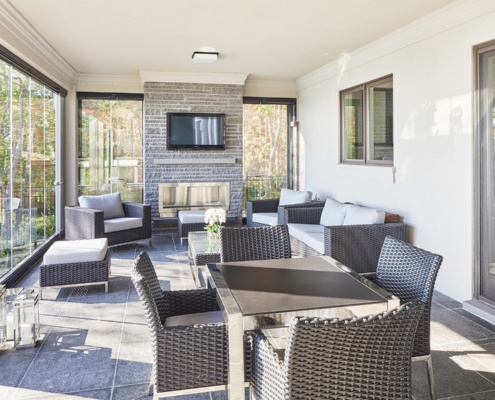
<point>111,145</point>
<point>266,147</point>
<point>27,165</point>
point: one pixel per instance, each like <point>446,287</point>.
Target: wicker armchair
<point>254,243</point>
<point>87,223</point>
<point>357,246</point>
<point>362,358</point>
<point>272,206</point>
<point>186,357</point>
<point>409,273</point>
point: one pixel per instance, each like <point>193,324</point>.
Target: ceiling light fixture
<point>204,57</point>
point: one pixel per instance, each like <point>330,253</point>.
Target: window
<point>30,118</point>
<point>367,123</point>
<point>111,144</point>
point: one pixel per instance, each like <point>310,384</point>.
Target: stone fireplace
<point>177,168</point>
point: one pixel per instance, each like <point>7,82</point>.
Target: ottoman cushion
<point>76,251</point>
<point>192,216</point>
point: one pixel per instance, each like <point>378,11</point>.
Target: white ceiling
<point>267,39</point>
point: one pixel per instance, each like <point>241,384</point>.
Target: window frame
<point>364,89</point>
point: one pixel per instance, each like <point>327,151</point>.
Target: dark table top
<point>278,286</point>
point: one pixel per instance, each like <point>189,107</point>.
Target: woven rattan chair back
<point>360,358</point>
<point>409,273</point>
<point>151,310</point>
<point>254,243</point>
<point>143,267</point>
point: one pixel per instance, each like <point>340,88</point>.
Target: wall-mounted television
<point>195,131</point>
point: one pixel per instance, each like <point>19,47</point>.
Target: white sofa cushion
<point>358,215</point>
<point>333,213</point>
<point>315,240</point>
<point>298,230</point>
<point>208,317</point>
<point>266,218</point>
<point>289,196</point>
<point>192,216</point>
<point>122,224</point>
<point>110,204</point>
<point>76,251</point>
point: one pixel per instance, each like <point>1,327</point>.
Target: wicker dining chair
<point>360,358</point>
<point>190,354</point>
<point>254,243</point>
<point>409,273</point>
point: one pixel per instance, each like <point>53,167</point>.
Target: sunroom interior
<point>431,62</point>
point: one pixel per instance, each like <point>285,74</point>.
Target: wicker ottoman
<point>76,263</point>
<point>190,221</point>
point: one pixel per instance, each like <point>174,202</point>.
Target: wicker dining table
<point>268,294</point>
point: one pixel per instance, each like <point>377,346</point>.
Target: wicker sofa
<point>106,216</point>
<point>353,243</point>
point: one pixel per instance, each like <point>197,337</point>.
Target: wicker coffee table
<point>202,251</point>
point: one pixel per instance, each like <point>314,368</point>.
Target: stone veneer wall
<point>160,98</point>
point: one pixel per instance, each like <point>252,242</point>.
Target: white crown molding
<point>193,77</point>
<point>285,85</point>
<point>119,83</point>
<point>36,50</point>
<point>449,17</point>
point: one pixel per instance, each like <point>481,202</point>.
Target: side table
<point>202,250</point>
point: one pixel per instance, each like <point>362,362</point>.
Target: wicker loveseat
<point>106,216</point>
<point>349,233</point>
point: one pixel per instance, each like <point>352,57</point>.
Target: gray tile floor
<point>96,345</point>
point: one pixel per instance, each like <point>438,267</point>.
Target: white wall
<point>432,187</point>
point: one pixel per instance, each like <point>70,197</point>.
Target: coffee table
<point>202,250</point>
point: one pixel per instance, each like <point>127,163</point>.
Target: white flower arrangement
<point>214,218</point>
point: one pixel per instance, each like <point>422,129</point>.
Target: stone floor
<point>96,345</point>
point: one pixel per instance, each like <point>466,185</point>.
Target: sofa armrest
<point>301,215</point>
<point>283,215</point>
<point>359,246</point>
<point>83,223</point>
<point>258,206</point>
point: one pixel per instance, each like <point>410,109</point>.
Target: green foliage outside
<point>27,163</point>
<point>111,148</point>
<point>265,150</point>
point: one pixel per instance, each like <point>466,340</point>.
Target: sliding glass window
<point>111,144</point>
<point>27,165</point>
<point>367,123</point>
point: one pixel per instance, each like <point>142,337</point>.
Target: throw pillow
<point>110,204</point>
<point>358,215</point>
<point>333,213</point>
<point>289,196</point>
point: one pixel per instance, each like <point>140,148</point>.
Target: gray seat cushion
<point>209,317</point>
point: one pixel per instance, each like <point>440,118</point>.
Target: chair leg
<point>431,379</point>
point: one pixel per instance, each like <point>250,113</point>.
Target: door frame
<point>292,143</point>
<point>478,50</point>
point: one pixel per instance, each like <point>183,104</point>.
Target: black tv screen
<point>195,131</point>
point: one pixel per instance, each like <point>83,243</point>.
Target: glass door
<point>486,150</point>
<point>268,147</point>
